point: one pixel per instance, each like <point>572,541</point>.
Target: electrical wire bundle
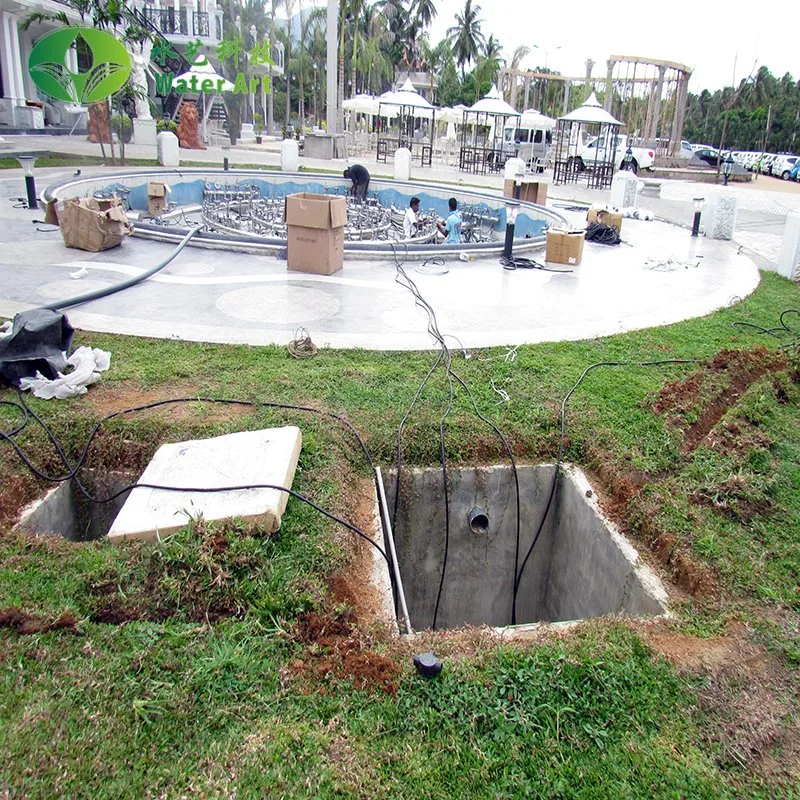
<point>444,359</point>
<point>602,234</point>
<point>518,262</point>
<point>779,332</point>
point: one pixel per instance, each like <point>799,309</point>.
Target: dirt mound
<point>336,650</point>
<point>712,389</point>
<point>24,623</point>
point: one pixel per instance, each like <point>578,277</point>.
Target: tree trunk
<point>271,97</point>
<point>110,132</point>
<point>353,70</point>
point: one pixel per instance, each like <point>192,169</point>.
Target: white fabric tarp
<point>87,363</point>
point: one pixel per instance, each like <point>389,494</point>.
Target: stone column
<point>527,92</point>
<point>655,119</point>
<point>10,89</point>
<point>681,98</point>
<point>609,86</point>
<point>567,86</point>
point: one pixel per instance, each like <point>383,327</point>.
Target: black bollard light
<point>27,162</point>
<point>225,161</point>
<point>512,209</point>
<point>698,207</point>
<point>727,169</point>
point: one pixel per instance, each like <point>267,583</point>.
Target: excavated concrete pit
<point>580,567</point>
<point>65,510</point>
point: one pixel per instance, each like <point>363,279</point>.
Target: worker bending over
<point>360,177</point>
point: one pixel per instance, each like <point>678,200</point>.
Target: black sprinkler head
<point>427,665</point>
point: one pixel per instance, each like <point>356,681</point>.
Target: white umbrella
<point>451,115</point>
<point>493,103</point>
<point>591,111</point>
<point>361,104</point>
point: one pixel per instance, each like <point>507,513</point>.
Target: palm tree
<point>424,11</point>
<point>466,36</point>
<point>356,7</point>
<point>523,51</point>
<point>289,6</point>
<point>271,97</point>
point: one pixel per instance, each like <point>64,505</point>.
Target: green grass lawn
<point>197,667</point>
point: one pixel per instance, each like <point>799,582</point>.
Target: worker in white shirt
<point>411,223</point>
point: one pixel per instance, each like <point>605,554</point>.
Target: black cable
<point>562,439</point>
<point>778,331</point>
<point>73,470</point>
<point>444,354</point>
<point>518,262</point>
<point>602,234</point>
<point>126,284</point>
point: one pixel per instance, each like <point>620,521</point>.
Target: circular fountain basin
<point>187,188</point>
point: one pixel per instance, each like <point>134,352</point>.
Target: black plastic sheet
<point>38,342</point>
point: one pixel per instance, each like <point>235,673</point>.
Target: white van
<point>529,137</point>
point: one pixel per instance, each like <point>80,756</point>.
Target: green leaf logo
<point>111,65</point>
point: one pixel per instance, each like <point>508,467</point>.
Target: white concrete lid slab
<point>267,456</point>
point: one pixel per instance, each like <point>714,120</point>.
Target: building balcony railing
<point>183,22</point>
<point>200,22</point>
<point>169,21</point>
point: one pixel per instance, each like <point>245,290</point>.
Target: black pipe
<point>696,224</point>
<point>118,287</point>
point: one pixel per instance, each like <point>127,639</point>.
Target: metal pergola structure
<point>405,119</point>
<point>482,129</point>
<point>571,164</point>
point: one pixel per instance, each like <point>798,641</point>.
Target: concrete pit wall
<point>580,567</point>
<point>65,511</point>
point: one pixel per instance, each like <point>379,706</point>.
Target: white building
<point>23,106</point>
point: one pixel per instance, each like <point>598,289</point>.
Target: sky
<point>718,41</point>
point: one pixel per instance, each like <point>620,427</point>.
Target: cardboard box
<point>156,198</point>
<point>94,225</point>
<point>530,190</point>
<point>315,250</point>
<point>315,232</point>
<point>565,247</point>
<point>611,218</point>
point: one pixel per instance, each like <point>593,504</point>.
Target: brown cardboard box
<point>156,198</point>
<point>565,247</point>
<point>315,250</point>
<point>315,232</point>
<point>94,225</point>
<point>612,218</point>
<point>530,191</point>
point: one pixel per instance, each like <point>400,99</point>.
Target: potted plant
<point>258,125</point>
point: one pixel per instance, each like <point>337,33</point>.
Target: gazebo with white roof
<point>572,162</point>
<point>405,119</point>
<point>482,134</point>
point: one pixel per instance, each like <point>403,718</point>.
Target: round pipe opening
<point>478,520</point>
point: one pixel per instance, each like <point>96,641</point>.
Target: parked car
<point>643,157</point>
<point>708,155</point>
<point>766,163</point>
<point>783,165</point>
